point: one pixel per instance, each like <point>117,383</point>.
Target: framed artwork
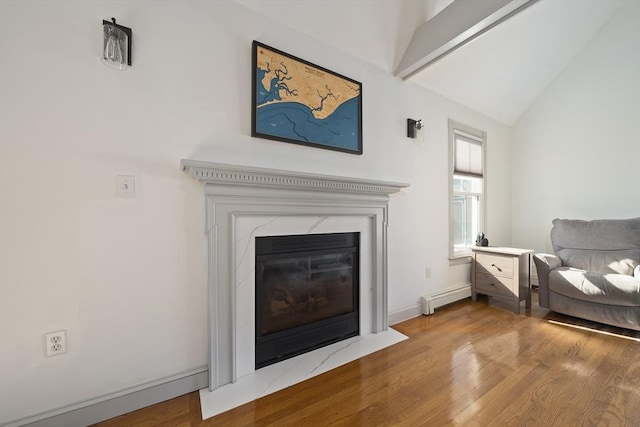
<point>299,102</point>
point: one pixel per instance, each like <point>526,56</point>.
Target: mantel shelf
<point>218,173</point>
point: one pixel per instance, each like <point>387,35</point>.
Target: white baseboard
<point>114,404</point>
<point>446,296</point>
<point>404,314</point>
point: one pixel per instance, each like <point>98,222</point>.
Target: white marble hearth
<point>292,371</point>
<point>242,203</point>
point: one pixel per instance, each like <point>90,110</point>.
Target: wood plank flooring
<point>469,364</point>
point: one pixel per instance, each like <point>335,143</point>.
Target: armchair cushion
<point>613,289</point>
<point>602,246</point>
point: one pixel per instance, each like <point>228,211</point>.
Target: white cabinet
<point>502,273</point>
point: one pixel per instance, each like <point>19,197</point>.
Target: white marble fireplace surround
<point>242,203</point>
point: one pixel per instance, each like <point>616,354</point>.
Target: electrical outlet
<point>428,272</point>
<point>56,342</point>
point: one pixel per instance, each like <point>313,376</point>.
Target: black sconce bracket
<point>413,126</point>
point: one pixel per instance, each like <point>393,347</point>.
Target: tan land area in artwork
<point>305,84</point>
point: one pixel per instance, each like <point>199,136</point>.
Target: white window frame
<point>480,136</point>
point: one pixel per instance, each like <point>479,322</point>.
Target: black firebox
<point>307,293</point>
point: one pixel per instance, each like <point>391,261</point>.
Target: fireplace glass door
<point>306,293</point>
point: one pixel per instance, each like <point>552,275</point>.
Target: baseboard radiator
<point>447,296</point>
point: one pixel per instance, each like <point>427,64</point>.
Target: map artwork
<point>296,101</point>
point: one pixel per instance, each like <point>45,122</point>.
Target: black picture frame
<point>304,103</point>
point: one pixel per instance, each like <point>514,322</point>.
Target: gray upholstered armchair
<point>595,273</point>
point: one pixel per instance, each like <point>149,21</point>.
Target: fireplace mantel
<point>244,202</point>
<point>218,173</point>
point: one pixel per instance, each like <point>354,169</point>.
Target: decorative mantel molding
<point>218,173</point>
<point>242,203</point>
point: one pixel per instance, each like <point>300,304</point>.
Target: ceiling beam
<point>454,26</point>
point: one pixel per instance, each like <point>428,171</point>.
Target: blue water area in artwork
<point>296,121</point>
<point>264,94</point>
<point>293,120</point>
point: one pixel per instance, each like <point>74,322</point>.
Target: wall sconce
<point>413,126</point>
<point>116,45</point>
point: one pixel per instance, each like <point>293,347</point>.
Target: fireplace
<point>306,293</point>
<point>244,203</point>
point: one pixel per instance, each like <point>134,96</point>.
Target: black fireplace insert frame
<point>281,345</point>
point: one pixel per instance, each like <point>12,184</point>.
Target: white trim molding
<point>405,313</point>
<point>111,405</point>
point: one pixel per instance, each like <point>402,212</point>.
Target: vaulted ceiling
<point>500,74</point>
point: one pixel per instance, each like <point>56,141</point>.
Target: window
<point>467,168</point>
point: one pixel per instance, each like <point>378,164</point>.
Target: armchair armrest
<point>544,264</point>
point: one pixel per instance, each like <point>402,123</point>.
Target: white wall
<point>126,277</point>
<point>576,152</point>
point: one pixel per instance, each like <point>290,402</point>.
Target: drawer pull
<point>497,268</point>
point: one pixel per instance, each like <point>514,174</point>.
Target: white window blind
<point>468,155</point>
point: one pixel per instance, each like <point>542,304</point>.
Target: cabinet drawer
<point>495,285</point>
<point>494,264</point>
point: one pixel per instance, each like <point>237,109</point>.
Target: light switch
<point>125,186</point>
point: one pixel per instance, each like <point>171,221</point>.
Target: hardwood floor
<point>469,364</point>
